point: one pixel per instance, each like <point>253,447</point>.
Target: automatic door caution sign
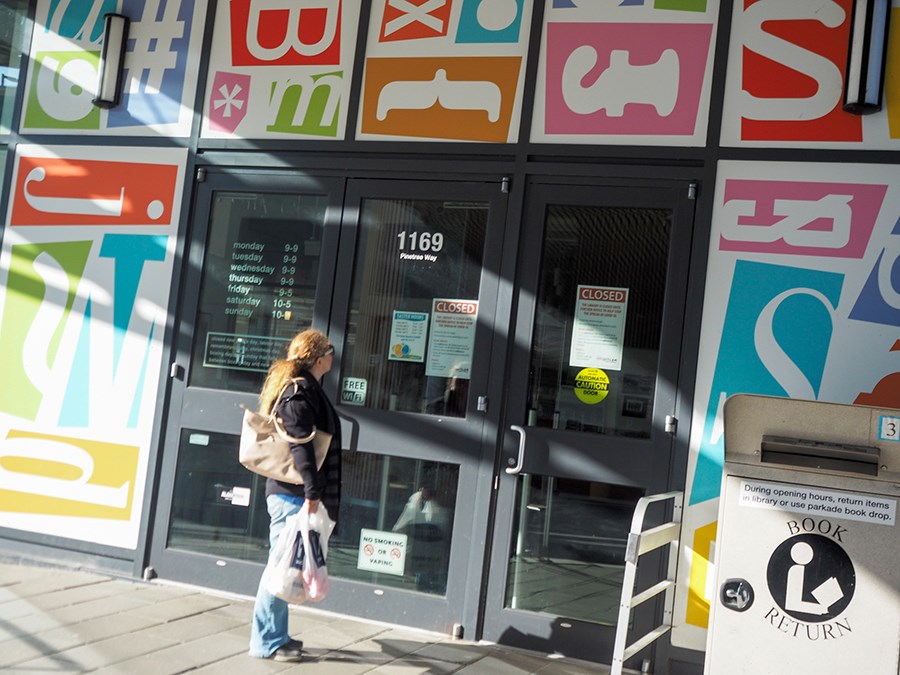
<point>591,385</point>
<point>812,581</point>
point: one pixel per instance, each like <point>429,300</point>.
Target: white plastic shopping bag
<point>283,576</point>
<point>315,529</point>
<point>297,571</point>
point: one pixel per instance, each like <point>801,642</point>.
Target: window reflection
<point>568,555</point>
<point>218,507</point>
<point>396,496</point>
<point>414,306</point>
<point>13,42</point>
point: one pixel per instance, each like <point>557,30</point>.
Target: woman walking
<point>293,390</point>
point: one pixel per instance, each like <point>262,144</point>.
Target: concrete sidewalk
<point>55,620</point>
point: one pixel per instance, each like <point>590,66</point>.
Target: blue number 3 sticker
<point>889,428</point>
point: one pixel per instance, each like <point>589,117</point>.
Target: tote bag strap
<point>276,421</point>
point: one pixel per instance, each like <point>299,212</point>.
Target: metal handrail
<point>642,541</point>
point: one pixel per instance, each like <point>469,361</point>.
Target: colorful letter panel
<point>415,20</point>
<point>280,69</point>
<point>87,262</point>
<point>61,477</point>
<point>792,217</point>
<point>454,98</point>
<point>625,79</point>
<point>879,300</point>
<point>75,20</point>
<point>285,33</point>
<point>802,300</point>
<point>774,341</point>
<point>785,82</point>
<point>892,85</point>
<point>162,55</point>
<point>52,191</point>
<point>634,73</point>
<point>478,24</point>
<point>444,70</point>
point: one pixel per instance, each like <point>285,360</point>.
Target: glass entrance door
<point>403,276</point>
<point>592,381</point>
<point>417,287</point>
<point>260,268</point>
<point>413,282</point>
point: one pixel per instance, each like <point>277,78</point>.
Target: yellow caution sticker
<point>591,385</point>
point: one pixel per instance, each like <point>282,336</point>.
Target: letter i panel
<point>806,579</point>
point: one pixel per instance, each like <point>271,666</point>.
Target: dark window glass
<point>568,555</point>
<point>13,42</point>
<point>611,252</point>
<point>259,285</point>
<point>218,507</point>
<point>408,503</point>
<point>414,306</point>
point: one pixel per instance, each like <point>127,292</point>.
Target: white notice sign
<point>814,501</point>
<point>452,338</point>
<point>599,329</point>
<point>382,552</point>
<point>408,332</point>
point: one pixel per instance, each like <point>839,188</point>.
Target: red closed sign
<point>603,294</point>
<point>455,307</point>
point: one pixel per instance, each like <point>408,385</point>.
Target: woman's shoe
<point>290,652</point>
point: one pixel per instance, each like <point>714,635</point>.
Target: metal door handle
<point>520,463</point>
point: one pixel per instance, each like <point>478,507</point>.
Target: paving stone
<point>245,665</point>
<point>577,668</point>
<point>17,609</point>
<point>367,651</point>
<point>525,660</point>
<point>104,627</point>
<point>22,627</point>
<point>179,658</point>
<point>356,630</point>
<point>63,638</point>
<point>454,652</point>
<point>118,627</point>
<point>495,665</point>
<point>333,663</point>
<point>191,628</point>
<point>239,611</point>
<point>11,574</point>
<point>177,608</point>
<point>328,637</point>
<point>100,607</point>
<point>415,666</point>
<point>55,580</point>
<point>31,647</point>
<point>97,655</point>
<point>75,595</point>
<point>151,593</point>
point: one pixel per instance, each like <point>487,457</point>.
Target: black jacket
<point>301,408</point>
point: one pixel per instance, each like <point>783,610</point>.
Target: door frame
<point>526,629</point>
<point>457,611</point>
<point>516,243</point>
<point>216,409</point>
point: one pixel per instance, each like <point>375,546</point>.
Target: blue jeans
<point>269,629</point>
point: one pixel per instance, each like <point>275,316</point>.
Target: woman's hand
<point>311,505</point>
